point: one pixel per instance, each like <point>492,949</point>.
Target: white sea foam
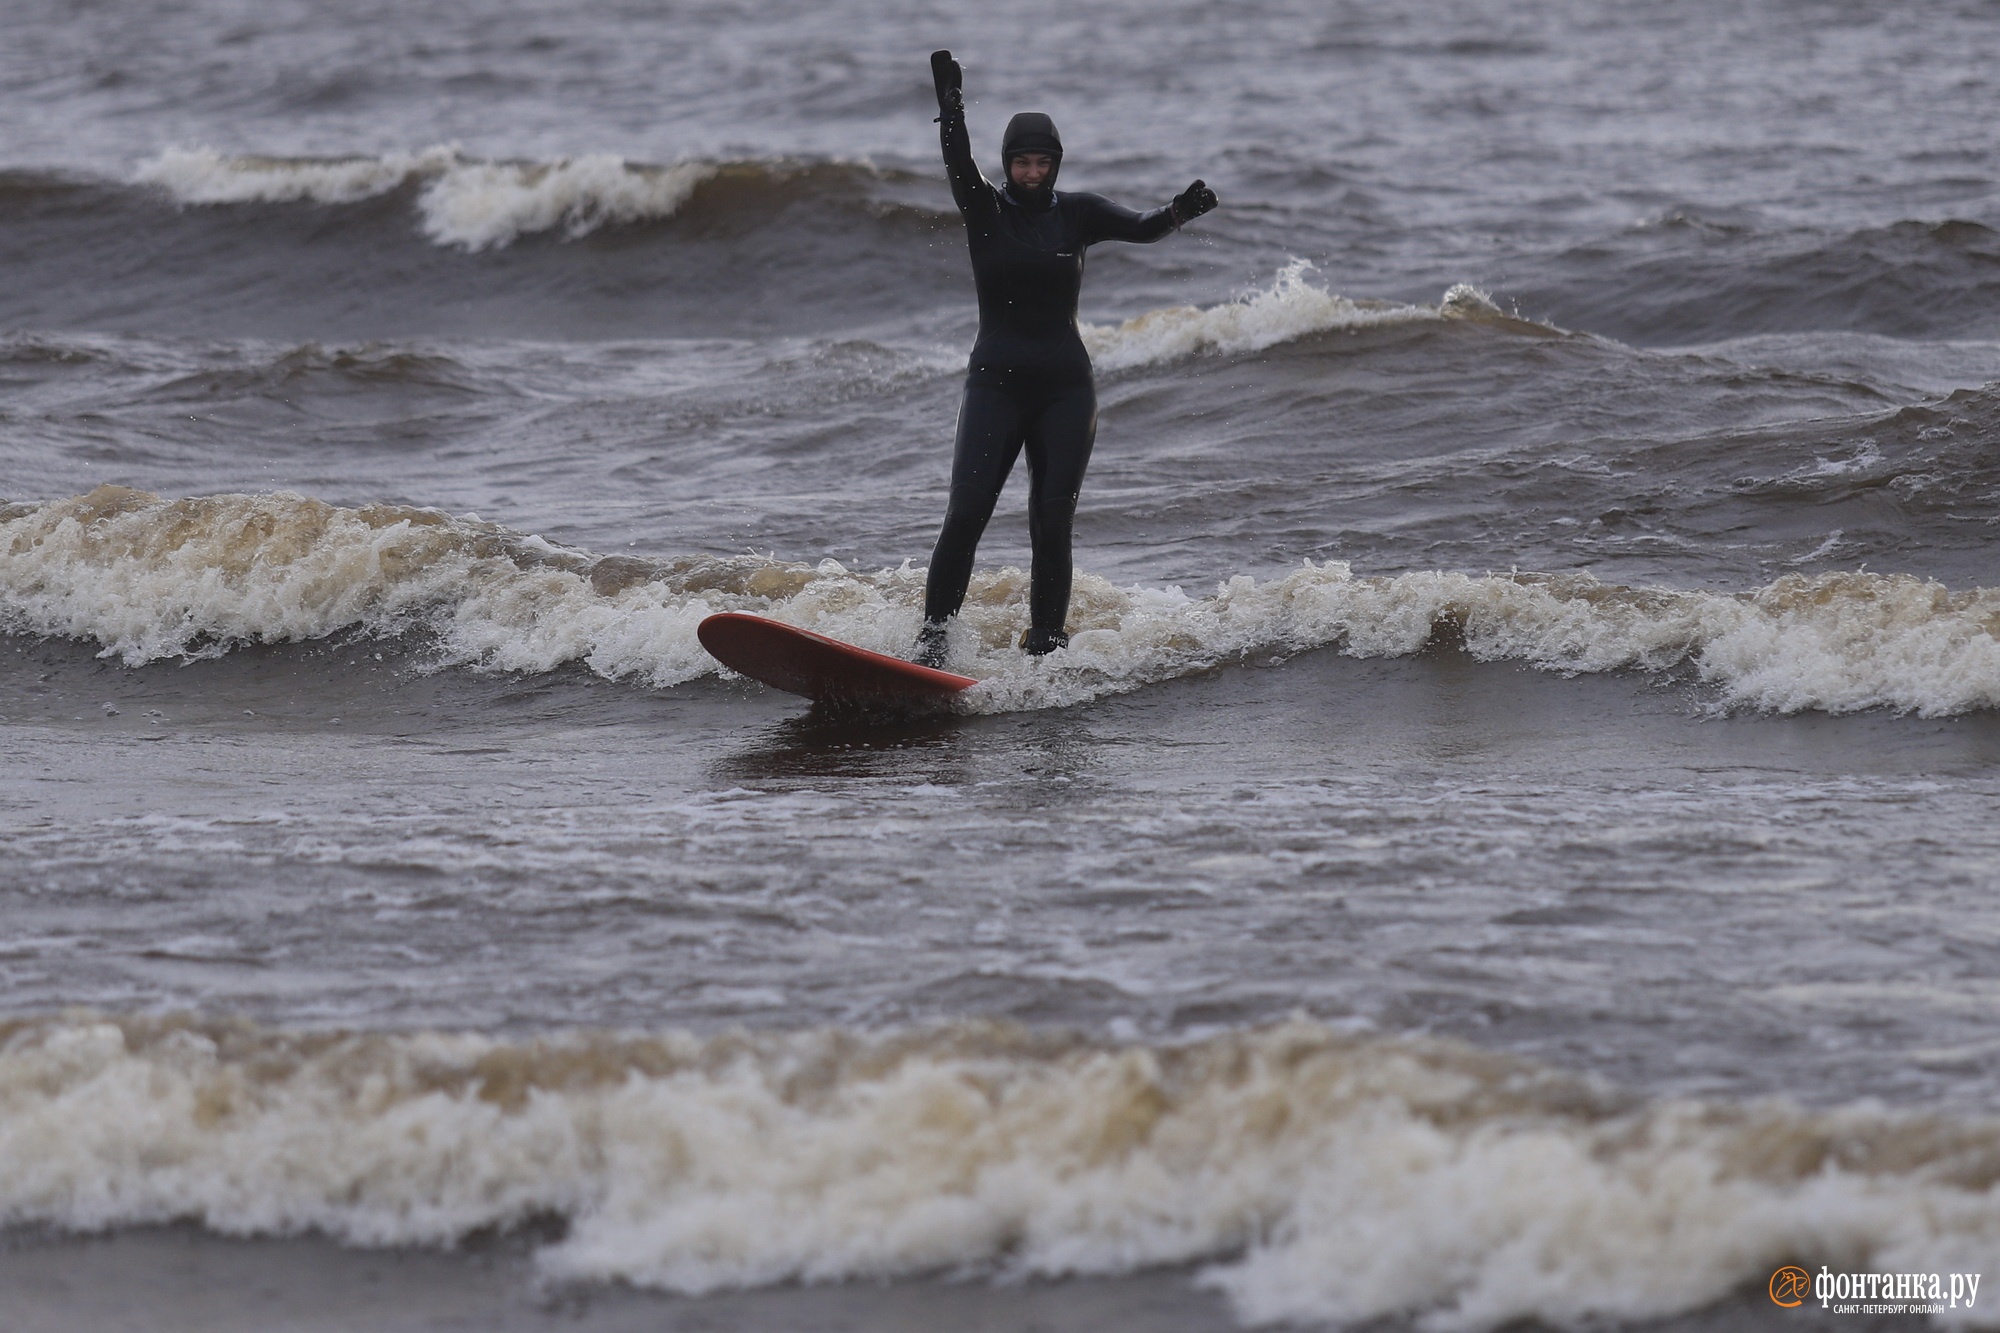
<point>462,201</point>
<point>482,204</point>
<point>149,578</point>
<point>1291,307</point>
<point>205,176</point>
<point>1320,1176</point>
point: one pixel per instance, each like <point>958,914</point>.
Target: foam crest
<point>483,204</point>
<point>1836,642</point>
<point>205,176</point>
<point>1291,307</point>
<point>150,578</point>
<point>462,201</point>
<point>1322,1176</point>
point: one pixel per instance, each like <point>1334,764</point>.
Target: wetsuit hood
<point>1031,132</point>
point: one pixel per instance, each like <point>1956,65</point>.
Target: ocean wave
<point>477,205</point>
<point>1292,307</point>
<point>1317,1175</point>
<point>149,578</point>
<point>1685,280</point>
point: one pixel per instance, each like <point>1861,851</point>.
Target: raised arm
<point>1106,221</point>
<point>969,190</point>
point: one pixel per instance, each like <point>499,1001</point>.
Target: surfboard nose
<point>824,670</point>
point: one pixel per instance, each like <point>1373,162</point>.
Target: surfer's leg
<point>989,439</point>
<point>1059,439</point>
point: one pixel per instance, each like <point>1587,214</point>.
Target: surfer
<point>1028,382</point>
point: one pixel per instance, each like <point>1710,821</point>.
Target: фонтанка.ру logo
<point>1875,1293</point>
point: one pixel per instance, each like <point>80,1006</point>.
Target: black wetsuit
<point>1028,383</point>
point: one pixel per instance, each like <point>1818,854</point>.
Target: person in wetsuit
<point>1028,383</point>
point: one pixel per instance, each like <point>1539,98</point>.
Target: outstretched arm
<point>969,189</point>
<point>1106,221</point>
<point>1103,220</point>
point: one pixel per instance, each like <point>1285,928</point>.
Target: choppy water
<point>1512,834</point>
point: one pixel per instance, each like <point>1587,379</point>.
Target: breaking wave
<point>149,579</point>
<point>1292,307</point>
<point>467,202</point>
<point>1318,1175</point>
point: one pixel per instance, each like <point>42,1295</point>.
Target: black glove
<point>1192,202</point>
<point>950,81</point>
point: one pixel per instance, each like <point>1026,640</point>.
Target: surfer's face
<point>1029,170</point>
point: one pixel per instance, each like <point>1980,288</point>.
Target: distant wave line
<point>466,202</point>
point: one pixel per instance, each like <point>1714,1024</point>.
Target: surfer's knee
<point>970,506</point>
<point>1052,521</point>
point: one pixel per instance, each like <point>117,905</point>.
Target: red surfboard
<point>822,669</point>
